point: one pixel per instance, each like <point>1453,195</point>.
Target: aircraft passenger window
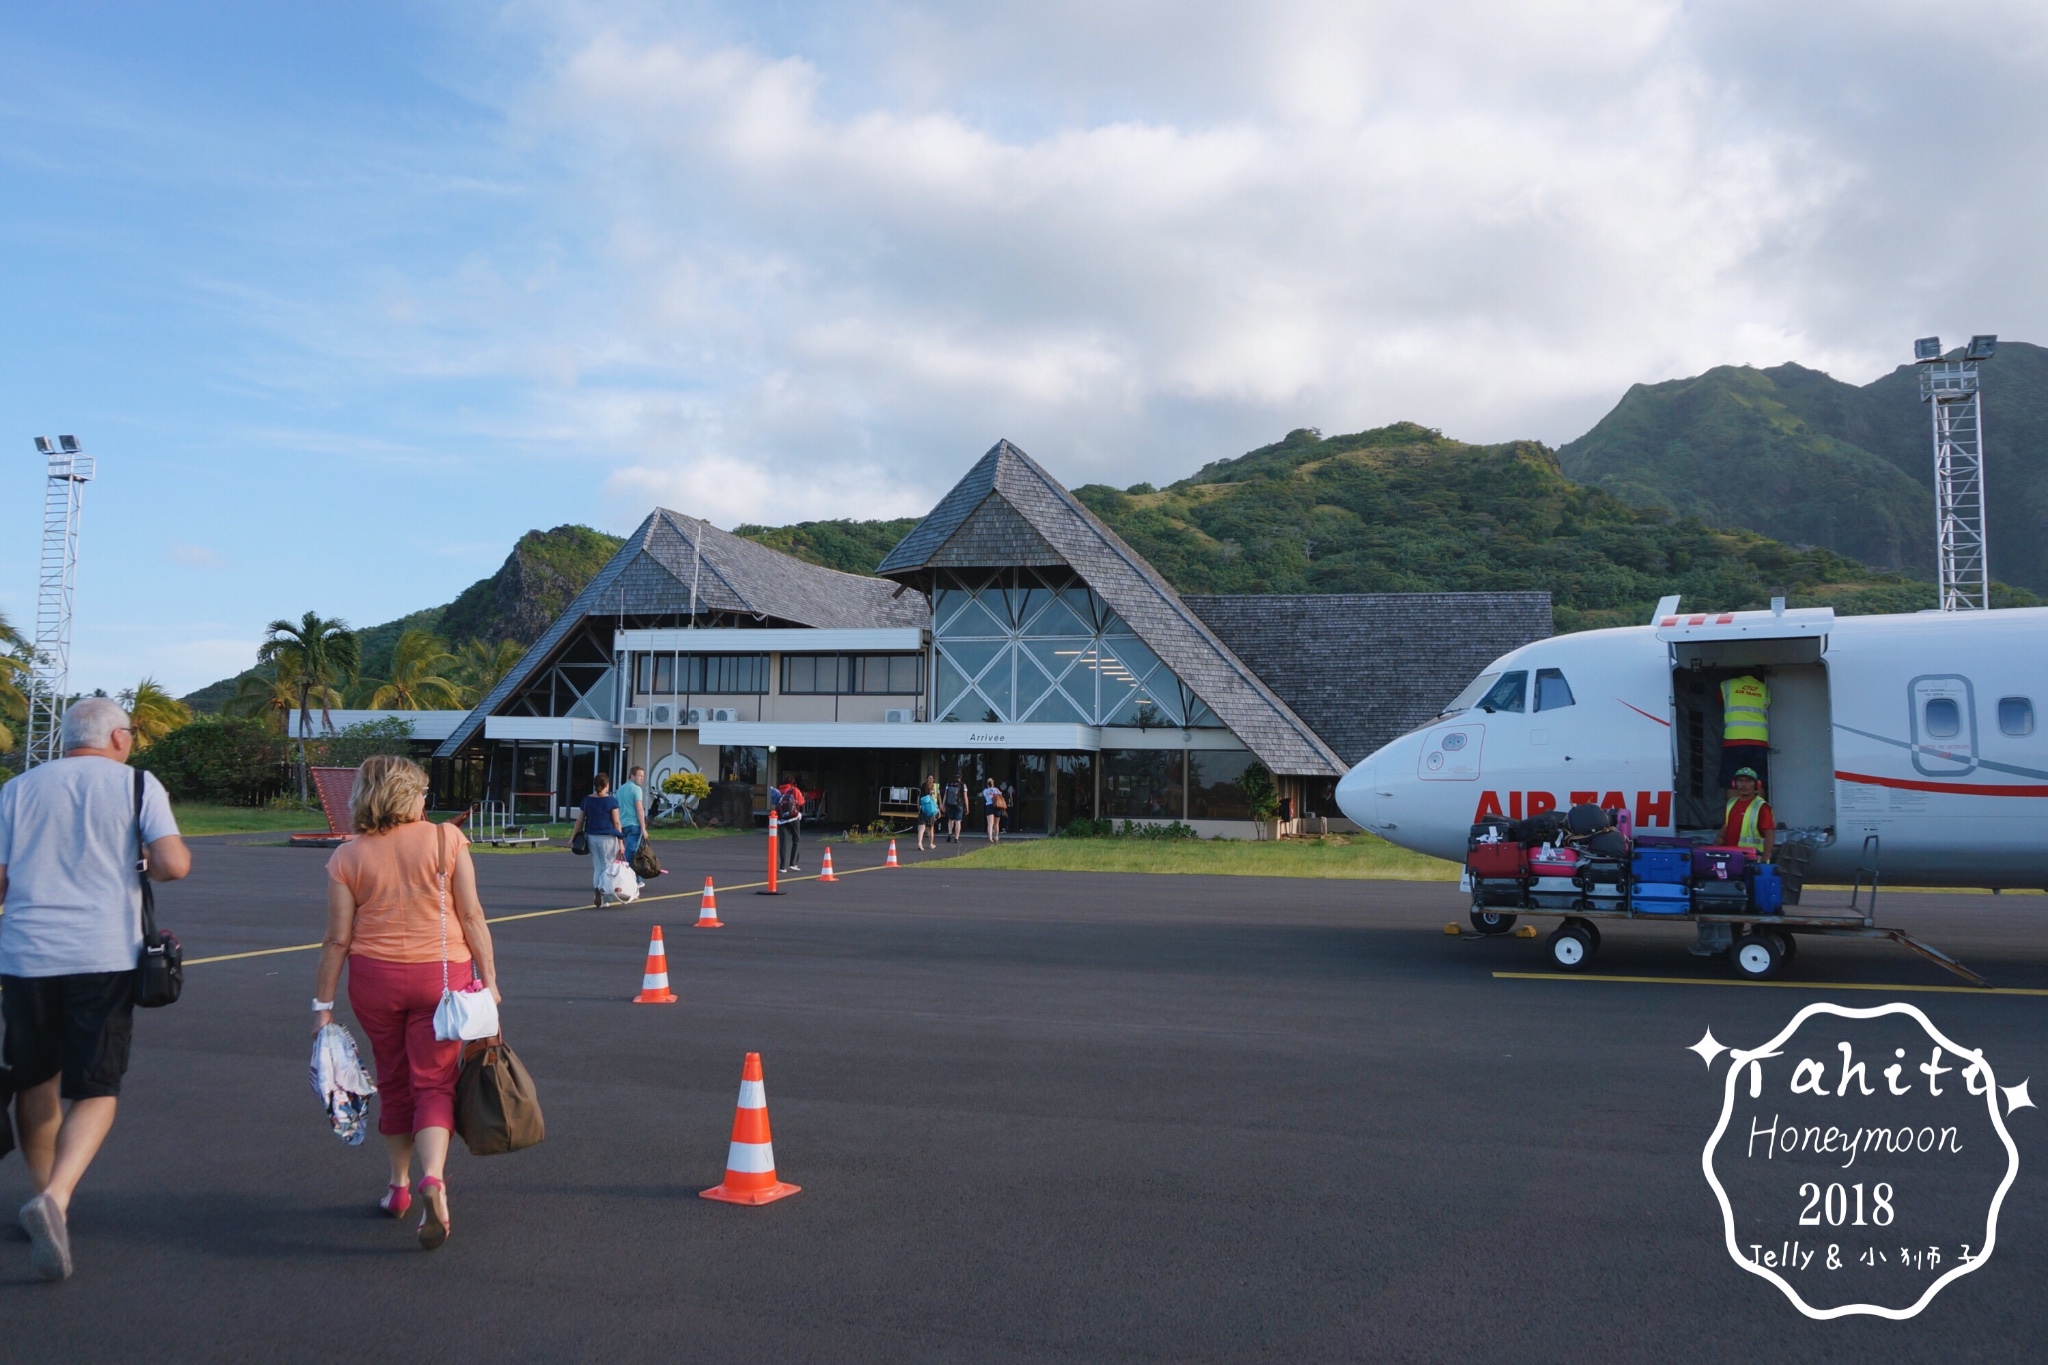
<point>1509,694</point>
<point>2016,715</point>
<point>1553,693</point>
<point>1944,717</point>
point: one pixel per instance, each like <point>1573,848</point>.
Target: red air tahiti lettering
<point>1651,808</point>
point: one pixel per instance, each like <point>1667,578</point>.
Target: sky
<point>343,299</point>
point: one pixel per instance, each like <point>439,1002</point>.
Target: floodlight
<point>1927,348</point>
<point>69,443</point>
<point>43,444</point>
<point>1981,348</point>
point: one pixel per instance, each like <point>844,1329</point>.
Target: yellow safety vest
<point>1745,711</point>
<point>1749,837</point>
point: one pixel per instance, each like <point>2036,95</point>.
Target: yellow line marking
<point>1781,985</point>
<point>541,914</point>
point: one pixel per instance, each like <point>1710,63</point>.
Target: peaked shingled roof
<point>1365,668</point>
<point>651,575</point>
<point>978,524</point>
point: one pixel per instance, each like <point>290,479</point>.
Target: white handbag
<point>466,1015</point>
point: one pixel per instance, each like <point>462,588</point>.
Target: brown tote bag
<point>496,1109</point>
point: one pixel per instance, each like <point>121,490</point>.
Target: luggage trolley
<point>1659,879</point>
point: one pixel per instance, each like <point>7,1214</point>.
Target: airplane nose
<point>1356,796</point>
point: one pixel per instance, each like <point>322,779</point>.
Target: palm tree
<point>270,694</point>
<point>13,665</point>
<point>418,683</point>
<point>484,666</point>
<point>154,712</point>
<point>322,653</point>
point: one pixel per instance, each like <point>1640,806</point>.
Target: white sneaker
<point>49,1253</point>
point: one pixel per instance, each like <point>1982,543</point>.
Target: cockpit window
<point>1469,698</point>
<point>1552,691</point>
<point>1509,694</point>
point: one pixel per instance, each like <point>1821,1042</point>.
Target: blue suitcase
<point>1660,898</point>
<point>1766,890</point>
<point>1663,865</point>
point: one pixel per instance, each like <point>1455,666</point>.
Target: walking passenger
<point>70,841</point>
<point>789,816</point>
<point>404,944</point>
<point>598,819</point>
<point>928,816</point>
<point>632,795</point>
<point>955,802</point>
<point>992,802</point>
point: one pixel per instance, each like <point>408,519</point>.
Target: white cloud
<point>194,556</point>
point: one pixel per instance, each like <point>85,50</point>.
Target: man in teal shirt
<point>632,794</point>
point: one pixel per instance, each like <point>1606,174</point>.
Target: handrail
<point>1866,862</point>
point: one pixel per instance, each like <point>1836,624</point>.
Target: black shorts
<point>79,1025</point>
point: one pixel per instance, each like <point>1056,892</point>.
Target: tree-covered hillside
<point>848,546</point>
<point>1805,458</point>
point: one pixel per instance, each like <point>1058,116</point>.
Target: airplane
<point>1914,743</point>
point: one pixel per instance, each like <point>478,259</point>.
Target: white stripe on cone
<point>751,1158</point>
<point>753,1095</point>
<point>654,981</point>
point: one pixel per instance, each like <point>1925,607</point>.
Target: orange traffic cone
<point>750,1161</point>
<point>825,874</point>
<point>654,985</point>
<point>892,856</point>
<point>707,912</point>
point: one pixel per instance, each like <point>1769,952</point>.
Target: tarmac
<point>1036,1117</point>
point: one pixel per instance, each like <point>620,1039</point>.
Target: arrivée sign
<point>1861,1159</point>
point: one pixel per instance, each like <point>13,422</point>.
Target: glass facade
<point>852,675</point>
<point>1038,646</point>
<point>1142,784</point>
<point>1213,793</point>
<point>696,674</point>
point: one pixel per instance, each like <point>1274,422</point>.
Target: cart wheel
<point>1570,947</point>
<point>1588,928</point>
<point>1491,921</point>
<point>1787,941</point>
<point>1757,956</point>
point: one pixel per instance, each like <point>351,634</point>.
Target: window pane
<point>903,675</point>
<point>1552,691</point>
<point>665,674</point>
<point>643,673</point>
<point>1213,793</point>
<point>1031,684</point>
<point>1508,694</point>
<point>975,621</point>
<point>952,685</point>
<point>1141,784</point>
<point>2016,715</point>
<point>995,685</point>
<point>799,673</point>
<point>1055,708</point>
<point>1944,717</point>
<point>1474,690</point>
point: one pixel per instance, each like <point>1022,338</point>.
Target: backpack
<point>927,805</point>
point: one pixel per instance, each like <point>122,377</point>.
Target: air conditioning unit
<point>897,716</point>
<point>636,715</point>
<point>694,716</point>
<point>663,714</point>
<point>723,713</point>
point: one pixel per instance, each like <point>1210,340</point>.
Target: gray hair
<point>90,722</point>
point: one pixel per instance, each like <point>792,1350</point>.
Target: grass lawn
<point>1339,855</point>
<point>199,817</point>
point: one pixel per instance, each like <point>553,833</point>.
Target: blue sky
<point>345,298</point>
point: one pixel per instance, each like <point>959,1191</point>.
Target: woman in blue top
<point>598,817</point>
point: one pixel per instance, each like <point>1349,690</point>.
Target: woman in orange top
<point>385,916</point>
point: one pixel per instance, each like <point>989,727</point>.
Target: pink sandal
<point>396,1201</point>
<point>434,1228</point>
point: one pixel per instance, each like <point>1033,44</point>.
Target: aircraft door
<point>1944,724</point>
<point>1450,753</point>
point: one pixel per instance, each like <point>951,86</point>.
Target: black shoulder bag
<point>160,970</point>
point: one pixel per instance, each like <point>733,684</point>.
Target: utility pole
<point>49,684</point>
<point>1950,389</point>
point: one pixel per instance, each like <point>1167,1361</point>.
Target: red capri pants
<point>395,1003</point>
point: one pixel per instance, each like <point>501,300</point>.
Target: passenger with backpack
<point>928,815</point>
<point>788,805</point>
<point>955,803</point>
<point>992,801</point>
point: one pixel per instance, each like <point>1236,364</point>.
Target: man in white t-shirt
<point>68,946</point>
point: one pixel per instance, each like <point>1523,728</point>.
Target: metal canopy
<point>1799,623</point>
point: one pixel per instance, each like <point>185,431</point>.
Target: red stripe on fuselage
<point>1946,788</point>
<point>1646,715</point>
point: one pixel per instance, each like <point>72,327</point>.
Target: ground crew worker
<point>1745,729</point>
<point>1746,821</point>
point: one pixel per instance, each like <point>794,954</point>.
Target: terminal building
<point>1011,636</point>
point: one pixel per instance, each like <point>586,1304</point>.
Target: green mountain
<point>518,602</point>
<point>1808,459</point>
<point>849,546</point>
